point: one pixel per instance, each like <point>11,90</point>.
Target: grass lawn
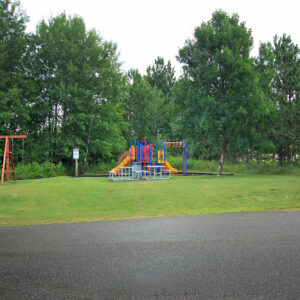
<point>65,199</point>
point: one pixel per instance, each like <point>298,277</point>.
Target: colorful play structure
<point>147,161</point>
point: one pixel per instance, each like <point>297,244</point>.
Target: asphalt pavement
<point>224,256</point>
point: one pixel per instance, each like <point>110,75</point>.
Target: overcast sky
<point>144,30</point>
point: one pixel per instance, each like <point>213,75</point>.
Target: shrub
<point>35,170</point>
<point>100,168</point>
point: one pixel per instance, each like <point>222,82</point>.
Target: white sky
<point>144,30</point>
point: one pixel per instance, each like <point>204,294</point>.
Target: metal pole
<point>157,153</point>
<point>22,149</point>
<point>146,156</point>
<point>150,156</point>
<point>142,150</point>
<point>130,158</point>
<point>161,149</point>
<point>183,157</point>
<point>142,156</point>
<point>185,162</point>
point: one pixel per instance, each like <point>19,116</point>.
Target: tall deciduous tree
<point>143,104</point>
<point>225,103</point>
<point>279,69</point>
<point>80,90</point>
<point>13,107</point>
<point>161,76</point>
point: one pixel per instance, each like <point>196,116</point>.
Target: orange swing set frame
<point>8,156</point>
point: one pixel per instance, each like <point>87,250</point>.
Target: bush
<point>35,170</point>
<point>101,168</point>
<point>193,164</point>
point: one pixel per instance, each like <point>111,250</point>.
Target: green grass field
<point>65,199</point>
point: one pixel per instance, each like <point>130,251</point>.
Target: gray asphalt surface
<point>226,256</point>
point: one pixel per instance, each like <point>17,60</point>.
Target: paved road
<point>226,256</point>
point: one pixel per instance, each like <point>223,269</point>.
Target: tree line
<point>64,87</point>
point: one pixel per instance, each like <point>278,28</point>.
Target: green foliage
<point>35,170</point>
<point>63,86</point>
<point>144,106</point>
<point>221,102</point>
<point>161,77</point>
<point>80,87</point>
<point>101,168</point>
<point>13,104</point>
<point>279,69</point>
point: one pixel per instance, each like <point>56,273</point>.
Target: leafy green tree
<point>223,102</point>
<point>80,90</point>
<point>13,105</point>
<point>144,107</point>
<point>279,69</point>
<point>161,76</point>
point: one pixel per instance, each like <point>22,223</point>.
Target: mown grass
<point>65,199</point>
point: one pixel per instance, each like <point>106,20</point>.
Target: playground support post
<point>131,158</point>
<point>184,159</point>
<point>150,156</point>
<point>161,148</point>
<point>142,157</point>
<point>185,162</point>
<point>157,153</point>
<point>142,150</point>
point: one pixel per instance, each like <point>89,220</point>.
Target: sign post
<point>76,157</point>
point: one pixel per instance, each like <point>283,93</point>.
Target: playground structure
<point>147,161</point>
<point>8,156</point>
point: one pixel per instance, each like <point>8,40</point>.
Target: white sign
<point>75,153</point>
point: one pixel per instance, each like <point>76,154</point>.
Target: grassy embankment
<point>65,199</point>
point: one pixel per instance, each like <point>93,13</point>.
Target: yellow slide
<point>127,160</point>
<point>166,163</point>
<point>169,167</point>
<point>124,163</point>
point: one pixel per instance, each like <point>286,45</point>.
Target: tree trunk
<point>88,145</point>
<point>222,158</point>
<point>280,156</point>
<point>289,154</point>
<point>247,156</point>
